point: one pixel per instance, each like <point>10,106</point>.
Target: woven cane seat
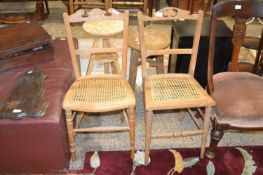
<point>175,91</point>
<point>99,94</point>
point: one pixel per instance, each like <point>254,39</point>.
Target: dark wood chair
<point>238,95</point>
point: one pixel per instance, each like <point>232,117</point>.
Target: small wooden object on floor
<point>99,93</point>
<point>173,91</point>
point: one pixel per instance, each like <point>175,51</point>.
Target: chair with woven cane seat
<point>99,93</point>
<point>173,91</point>
<point>131,5</point>
<point>74,5</point>
<point>238,95</point>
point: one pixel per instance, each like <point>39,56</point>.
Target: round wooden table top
<point>154,40</point>
<point>251,42</point>
<point>103,27</point>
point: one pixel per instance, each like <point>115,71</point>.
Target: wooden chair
<point>131,5</point>
<point>238,95</point>
<point>79,4</point>
<point>173,91</point>
<point>98,93</point>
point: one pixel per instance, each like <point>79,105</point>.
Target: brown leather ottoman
<point>38,145</point>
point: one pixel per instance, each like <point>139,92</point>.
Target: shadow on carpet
<point>228,161</point>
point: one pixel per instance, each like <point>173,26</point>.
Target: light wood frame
<point>76,109</point>
<point>171,13</point>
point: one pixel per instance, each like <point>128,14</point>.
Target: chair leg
<point>145,4</point>
<point>216,135</point>
<point>132,131</point>
<point>47,7</point>
<point>69,119</point>
<point>148,134</point>
<point>71,7</point>
<point>205,128</point>
<point>160,64</point>
<point>90,65</point>
<point>106,68</point>
<point>181,115</point>
<point>133,68</point>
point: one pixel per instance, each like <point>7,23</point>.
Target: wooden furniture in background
<point>161,41</point>
<point>98,93</point>
<point>24,44</point>
<point>191,5</point>
<point>102,30</point>
<point>20,17</point>
<point>74,5</point>
<point>254,43</point>
<point>173,91</point>
<point>238,95</point>
<point>131,5</point>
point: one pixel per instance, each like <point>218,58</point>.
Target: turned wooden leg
<point>205,128</point>
<point>69,119</point>
<point>216,135</point>
<point>132,131</point>
<point>148,134</point>
<point>133,68</point>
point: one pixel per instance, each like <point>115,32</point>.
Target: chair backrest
<point>170,14</point>
<point>82,16</point>
<point>241,11</point>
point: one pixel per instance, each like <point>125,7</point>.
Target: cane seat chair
<point>131,5</point>
<point>75,5</point>
<point>98,93</point>
<point>238,95</point>
<point>173,91</point>
<point>253,43</point>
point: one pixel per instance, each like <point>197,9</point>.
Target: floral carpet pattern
<point>228,161</point>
